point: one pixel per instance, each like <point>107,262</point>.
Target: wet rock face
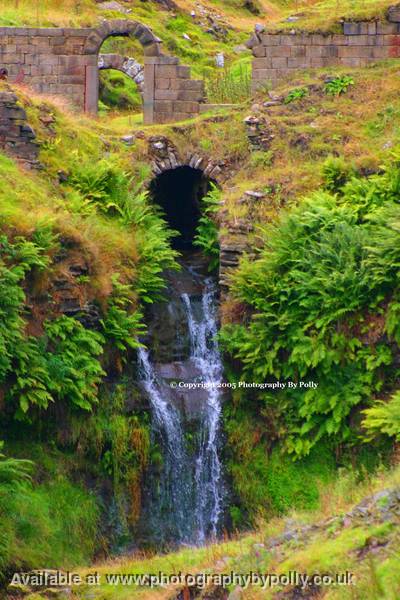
<point>169,338</point>
<point>168,335</point>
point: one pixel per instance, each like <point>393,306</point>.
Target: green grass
<point>327,550</point>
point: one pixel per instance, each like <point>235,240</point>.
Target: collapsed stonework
<point>16,136</point>
<point>278,55</point>
<point>64,62</point>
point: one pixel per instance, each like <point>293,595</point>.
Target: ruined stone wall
<point>169,90</point>
<point>16,136</point>
<point>279,55</point>
<point>64,62</point>
<point>51,60</point>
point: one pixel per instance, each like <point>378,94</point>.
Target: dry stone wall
<point>64,62</point>
<point>278,55</point>
<point>16,136</point>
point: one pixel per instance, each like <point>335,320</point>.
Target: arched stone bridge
<point>65,62</point>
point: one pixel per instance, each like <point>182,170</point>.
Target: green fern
<point>207,230</point>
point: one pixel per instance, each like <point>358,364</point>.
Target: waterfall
<point>186,507</point>
<point>167,421</point>
<point>205,353</point>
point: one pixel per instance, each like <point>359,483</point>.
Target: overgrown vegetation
<point>229,85</point>
<point>322,300</point>
<point>78,261</point>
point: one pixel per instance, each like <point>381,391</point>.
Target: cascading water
<point>186,506</point>
<point>205,353</point>
<point>167,422</point>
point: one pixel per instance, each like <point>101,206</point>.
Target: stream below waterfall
<point>181,373</point>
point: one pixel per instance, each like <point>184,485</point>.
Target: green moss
<point>119,91</point>
<point>296,485</point>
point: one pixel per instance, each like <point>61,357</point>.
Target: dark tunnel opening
<point>179,193</point>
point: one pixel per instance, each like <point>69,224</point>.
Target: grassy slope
<point>170,26</point>
<point>361,125</point>
<point>368,548</point>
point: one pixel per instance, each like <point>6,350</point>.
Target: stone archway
<point>151,45</point>
<point>169,94</point>
<point>123,27</point>
<point>126,64</point>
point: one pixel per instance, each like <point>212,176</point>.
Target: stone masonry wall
<point>51,61</point>
<point>171,91</point>
<point>279,55</point>
<point>64,62</point>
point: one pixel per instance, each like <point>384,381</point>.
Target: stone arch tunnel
<point>179,193</point>
<point>178,186</point>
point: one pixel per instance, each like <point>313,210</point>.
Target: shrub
<point>338,85</point>
<point>325,303</point>
<point>102,185</point>
<point>122,326</point>
<point>336,173</point>
<point>153,242</point>
<point>295,95</point>
<point>383,417</point>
